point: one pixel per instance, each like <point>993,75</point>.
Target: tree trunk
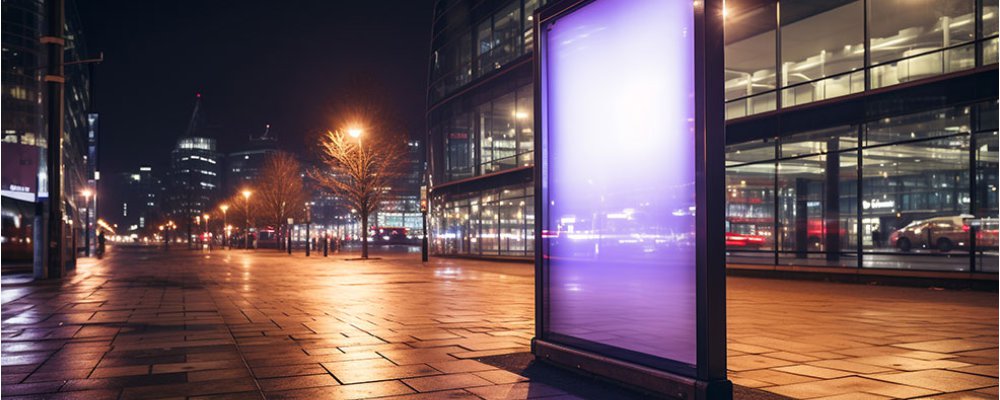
<point>364,236</point>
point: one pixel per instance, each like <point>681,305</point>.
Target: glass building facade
<point>481,128</point>
<point>860,133</point>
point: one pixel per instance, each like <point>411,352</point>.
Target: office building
<point>195,178</point>
<point>244,167</point>
<point>24,136</point>
<point>860,133</point>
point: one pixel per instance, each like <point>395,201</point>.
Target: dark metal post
<point>288,233</point>
<point>710,186</point>
<point>53,264</point>
<point>423,242</point>
<point>308,221</point>
<point>326,244</point>
<point>423,211</point>
<point>974,223</point>
<point>86,228</point>
<point>831,213</point>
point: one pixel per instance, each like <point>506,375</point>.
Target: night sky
<point>284,63</point>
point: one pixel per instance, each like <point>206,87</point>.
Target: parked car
<point>941,233</point>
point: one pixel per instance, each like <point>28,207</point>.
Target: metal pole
<point>86,228</point>
<point>308,221</point>
<point>246,232</point>
<point>288,234</point>
<point>423,242</point>
<point>52,266</point>
<point>326,244</point>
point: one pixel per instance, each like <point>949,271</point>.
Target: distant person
<point>877,237</point>
<point>100,244</point>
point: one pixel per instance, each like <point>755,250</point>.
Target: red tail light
<point>965,228</point>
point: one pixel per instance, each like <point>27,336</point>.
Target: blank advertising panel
<point>618,251</point>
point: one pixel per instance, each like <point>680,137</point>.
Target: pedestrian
<point>877,237</point>
<point>100,244</point>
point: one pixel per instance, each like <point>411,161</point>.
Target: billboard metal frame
<point>707,379</point>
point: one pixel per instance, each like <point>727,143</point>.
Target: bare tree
<point>242,212</point>
<point>280,191</point>
<point>360,167</point>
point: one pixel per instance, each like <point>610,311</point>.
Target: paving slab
<point>244,324</point>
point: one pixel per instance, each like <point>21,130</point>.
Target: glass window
<point>750,51</point>
<point>499,38</point>
<point>820,38</point>
<point>524,118</point>
<point>989,16</point>
<point>485,45</point>
<point>460,143</point>
<point>987,212</point>
<point>529,24</point>
<point>507,32</point>
<point>750,213</point>
<point>924,125</point>
<point>915,203</point>
<point>904,28</point>
<point>816,219</point>
<point>821,42</point>
<point>757,150</point>
<point>499,139</point>
<point>820,141</point>
<point>489,234</point>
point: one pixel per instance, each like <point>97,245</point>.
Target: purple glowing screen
<point>619,229</point>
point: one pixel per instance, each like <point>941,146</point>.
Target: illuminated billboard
<point>619,177</point>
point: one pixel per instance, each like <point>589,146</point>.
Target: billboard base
<point>637,376</point>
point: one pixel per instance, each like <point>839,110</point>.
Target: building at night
<point>244,167</point>
<point>139,195</point>
<point>24,129</point>
<point>194,182</point>
<point>860,133</point>
<point>401,208</point>
<point>481,134</point>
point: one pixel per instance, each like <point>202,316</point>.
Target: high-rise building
<point>24,135</point>
<point>138,206</point>
<point>860,133</point>
<point>244,167</point>
<point>401,207</point>
<point>195,179</point>
<point>481,134</point>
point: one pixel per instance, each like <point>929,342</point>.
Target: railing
<point>920,64</point>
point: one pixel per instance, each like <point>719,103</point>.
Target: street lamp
<point>246,202</point>
<point>355,132</point>
<point>225,224</point>
<point>208,237</point>
<point>308,221</point>
<point>86,222</point>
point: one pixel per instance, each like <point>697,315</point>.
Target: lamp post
<point>208,233</point>
<point>288,233</point>
<point>225,226</point>
<point>308,221</point>
<point>86,221</point>
<point>246,235</point>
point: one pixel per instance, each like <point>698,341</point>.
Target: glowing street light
<point>354,132</point>
<point>86,223</point>
<point>225,223</point>
<point>246,234</point>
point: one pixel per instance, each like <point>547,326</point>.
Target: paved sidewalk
<point>233,324</point>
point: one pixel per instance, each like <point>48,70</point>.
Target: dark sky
<point>284,63</point>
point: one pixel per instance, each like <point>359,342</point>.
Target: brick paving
<point>233,325</point>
